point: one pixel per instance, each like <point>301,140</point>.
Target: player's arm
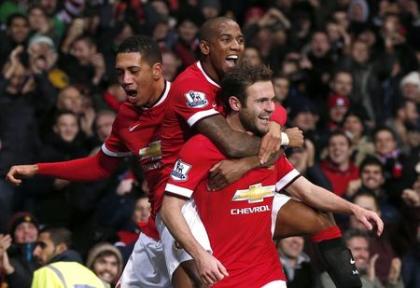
<point>209,268</point>
<point>320,198</point>
<point>96,167</point>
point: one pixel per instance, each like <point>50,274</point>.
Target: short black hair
<point>339,133</point>
<point>239,78</point>
<point>371,161</point>
<point>207,30</point>
<point>145,45</point>
<point>58,235</point>
<point>366,193</point>
<point>383,128</point>
<point>14,16</point>
<point>353,233</point>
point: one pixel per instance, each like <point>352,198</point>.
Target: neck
<point>343,166</point>
<point>157,92</point>
<point>210,70</point>
<point>234,122</point>
<point>291,261</point>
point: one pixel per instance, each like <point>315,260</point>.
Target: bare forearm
<point>233,143</point>
<point>174,220</point>
<point>318,197</point>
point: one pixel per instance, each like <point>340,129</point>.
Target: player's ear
<point>204,47</point>
<point>157,71</point>
<point>234,103</point>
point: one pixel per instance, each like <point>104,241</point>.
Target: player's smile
<point>231,60</point>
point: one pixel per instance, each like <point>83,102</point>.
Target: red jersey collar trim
<point>200,67</point>
<point>162,97</point>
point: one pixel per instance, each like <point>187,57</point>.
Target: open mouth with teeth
<point>265,119</point>
<point>232,60</point>
<point>131,93</point>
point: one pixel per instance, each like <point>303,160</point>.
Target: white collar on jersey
<point>162,97</point>
<point>206,76</point>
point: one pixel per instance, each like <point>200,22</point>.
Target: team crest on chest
<point>180,171</point>
<point>196,99</point>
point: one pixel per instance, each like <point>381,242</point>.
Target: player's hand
<point>210,269</point>
<point>228,171</point>
<point>296,138</point>
<point>18,172</point>
<point>270,143</point>
<point>369,219</point>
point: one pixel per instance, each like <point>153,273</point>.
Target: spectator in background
<point>372,180</point>
<point>103,124</point>
<point>338,166</point>
<point>365,85</point>
<point>353,126</point>
<point>54,203</point>
<point>106,262</point>
<point>398,173</point>
<point>17,33</point>
<point>407,116</point>
<point>410,87</point>
<point>210,8</point>
<point>321,62</point>
<point>186,45</point>
<point>60,266</point>
<point>16,259</point>
<point>81,60</point>
<point>252,56</point>
<point>171,65</point>
<point>411,261</point>
<point>281,86</point>
<point>338,106</point>
<point>142,209</point>
<point>38,20</point>
<point>296,263</point>
<point>358,243</point>
<point>381,246</point>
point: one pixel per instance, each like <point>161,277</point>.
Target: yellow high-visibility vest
<point>66,275</point>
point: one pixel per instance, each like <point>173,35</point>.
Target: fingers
<point>379,225</point>
<point>216,182</point>
<point>215,166</point>
<point>222,269</point>
<point>373,217</point>
<point>10,177</point>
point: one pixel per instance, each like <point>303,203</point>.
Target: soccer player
<point>238,218</point>
<point>193,103</point>
<point>135,131</point>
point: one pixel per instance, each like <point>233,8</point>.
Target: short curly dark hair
<point>145,45</point>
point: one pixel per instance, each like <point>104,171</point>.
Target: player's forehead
<point>260,89</point>
<point>227,27</point>
<point>128,59</point>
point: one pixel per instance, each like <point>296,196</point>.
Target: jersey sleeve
<point>192,167</point>
<point>287,174</point>
<point>279,115</point>
<point>193,103</point>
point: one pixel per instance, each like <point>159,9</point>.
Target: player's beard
<point>248,122</point>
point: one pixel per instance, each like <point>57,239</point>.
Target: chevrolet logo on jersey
<point>151,151</point>
<point>256,193</point>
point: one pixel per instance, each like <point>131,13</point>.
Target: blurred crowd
<point>348,72</point>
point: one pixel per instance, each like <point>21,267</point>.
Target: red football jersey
<point>238,217</point>
<point>192,98</point>
<point>135,131</point>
